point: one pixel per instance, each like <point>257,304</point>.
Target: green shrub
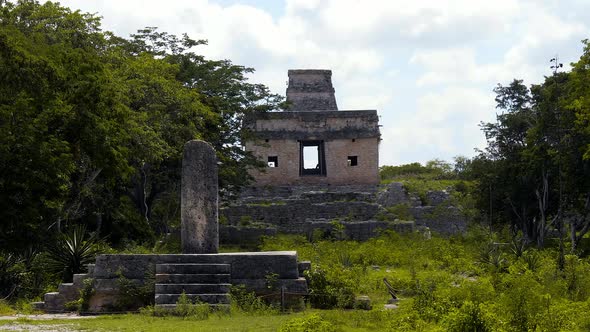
<point>468,318</point>
<point>311,323</point>
<point>5,309</point>
<point>133,295</point>
<point>427,303</point>
<point>24,306</point>
<point>186,308</point>
<point>522,301</point>
<point>246,220</point>
<point>83,302</point>
<point>325,293</point>
<point>245,301</point>
<point>86,293</point>
<point>401,211</point>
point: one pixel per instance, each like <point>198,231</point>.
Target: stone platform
<point>206,277</point>
<point>361,210</point>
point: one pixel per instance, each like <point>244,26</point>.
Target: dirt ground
<point>19,323</point>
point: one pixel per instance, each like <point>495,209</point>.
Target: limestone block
<point>261,286</point>
<point>54,302</point>
<point>303,266</point>
<point>38,306</point>
<point>437,197</point>
<point>131,266</point>
<point>244,265</point>
<point>395,194</point>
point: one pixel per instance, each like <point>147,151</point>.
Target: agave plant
<point>72,251</point>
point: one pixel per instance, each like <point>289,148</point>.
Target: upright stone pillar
<point>199,199</point>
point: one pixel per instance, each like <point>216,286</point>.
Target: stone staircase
<point>205,283</point>
<point>55,302</point>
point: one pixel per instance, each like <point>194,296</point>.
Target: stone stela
<point>199,199</point>
<point>312,142</point>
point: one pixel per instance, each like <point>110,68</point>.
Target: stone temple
<point>312,142</point>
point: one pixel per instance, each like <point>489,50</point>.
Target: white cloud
<point>444,125</point>
<point>427,66</point>
<point>299,5</point>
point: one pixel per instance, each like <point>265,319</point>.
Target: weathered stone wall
<point>338,172</point>
<point>310,90</point>
<point>394,194</point>
<point>247,268</point>
<point>317,125</point>
<point>244,235</point>
<point>360,210</point>
<point>290,216</point>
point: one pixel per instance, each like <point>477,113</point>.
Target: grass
<point>138,322</point>
<point>6,309</point>
<point>330,320</point>
<point>462,283</point>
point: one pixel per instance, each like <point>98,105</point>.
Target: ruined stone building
<point>313,142</point>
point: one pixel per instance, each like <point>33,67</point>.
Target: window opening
<point>273,161</point>
<point>352,160</point>
<point>312,158</point>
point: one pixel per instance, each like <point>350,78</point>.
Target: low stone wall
<point>244,235</point>
<point>250,269</point>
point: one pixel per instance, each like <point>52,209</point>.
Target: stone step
<point>192,268</point>
<point>193,278</point>
<point>54,302</point>
<point>69,291</point>
<point>40,306</point>
<point>205,298</point>
<point>192,288</point>
<point>214,307</point>
<point>189,259</point>
<point>79,279</point>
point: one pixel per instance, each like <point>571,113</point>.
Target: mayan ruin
<point>313,142</point>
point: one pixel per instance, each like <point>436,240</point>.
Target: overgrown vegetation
<point>476,282</point>
<point>245,301</point>
<point>72,252</point>
<point>133,295</point>
<point>184,308</point>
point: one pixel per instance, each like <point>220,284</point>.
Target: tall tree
<point>63,124</point>
<point>93,125</point>
<point>537,151</point>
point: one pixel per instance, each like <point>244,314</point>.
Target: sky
<point>427,66</point>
